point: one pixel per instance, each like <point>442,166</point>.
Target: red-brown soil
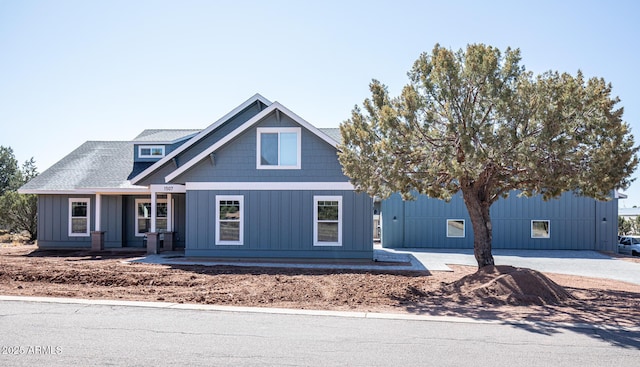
<point>506,285</point>
<point>495,292</point>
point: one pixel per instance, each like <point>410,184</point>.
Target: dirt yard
<point>503,293</point>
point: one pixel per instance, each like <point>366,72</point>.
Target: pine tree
<point>18,212</point>
<point>475,121</point>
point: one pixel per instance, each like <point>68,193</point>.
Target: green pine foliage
<point>18,212</point>
<point>476,121</point>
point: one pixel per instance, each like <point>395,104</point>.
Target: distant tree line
<point>18,212</point>
<point>628,226</point>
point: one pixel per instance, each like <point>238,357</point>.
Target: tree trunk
<point>478,209</point>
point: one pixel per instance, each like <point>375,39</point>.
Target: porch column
<point>98,210</point>
<point>169,214</point>
<point>97,236</point>
<point>153,211</point>
<point>152,236</point>
<point>167,243</point>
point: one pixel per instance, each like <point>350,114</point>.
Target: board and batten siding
<point>53,221</point>
<point>576,223</point>
<point>118,215</point>
<point>236,161</point>
<point>204,143</point>
<point>279,224</point>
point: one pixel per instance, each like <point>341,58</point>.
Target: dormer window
<point>151,151</point>
<point>278,148</point>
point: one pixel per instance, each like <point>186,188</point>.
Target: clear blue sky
<point>72,71</point>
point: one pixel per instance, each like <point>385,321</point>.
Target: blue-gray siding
<point>182,158</point>
<point>236,161</point>
<point>117,221</point>
<point>53,222</point>
<point>279,224</point>
<point>130,238</point>
<point>576,223</point>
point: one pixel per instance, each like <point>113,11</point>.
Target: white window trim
<point>278,130</point>
<point>151,147</point>
<point>70,217</point>
<point>240,199</point>
<point>464,228</point>
<point>135,215</point>
<point>316,199</point>
<point>541,220</point>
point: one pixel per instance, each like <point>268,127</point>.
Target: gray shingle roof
<point>109,164</point>
<point>164,135</point>
<point>103,164</point>
<point>333,132</point>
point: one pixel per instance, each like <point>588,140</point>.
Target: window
<point>540,229</point>
<point>151,151</point>
<point>278,148</point>
<point>455,227</point>
<point>79,210</point>
<point>143,216</point>
<point>327,221</point>
<point>229,220</point>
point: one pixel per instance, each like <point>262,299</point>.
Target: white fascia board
<point>89,191</point>
<point>269,186</point>
<point>114,191</point>
<point>619,195</point>
<point>200,135</point>
<point>55,192</point>
<point>254,120</point>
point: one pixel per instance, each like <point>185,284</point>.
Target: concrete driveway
<point>584,263</point>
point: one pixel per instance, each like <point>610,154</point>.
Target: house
<point>260,182</point>
<point>629,213</point>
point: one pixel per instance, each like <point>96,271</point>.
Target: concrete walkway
<point>583,263</point>
<point>383,261</point>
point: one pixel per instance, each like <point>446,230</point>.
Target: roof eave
<point>87,191</point>
<point>255,98</point>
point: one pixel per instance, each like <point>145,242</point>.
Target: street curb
<point>302,312</point>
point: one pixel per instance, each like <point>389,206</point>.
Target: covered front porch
<point>153,220</point>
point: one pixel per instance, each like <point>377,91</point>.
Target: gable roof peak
<point>253,99</point>
<point>275,106</point>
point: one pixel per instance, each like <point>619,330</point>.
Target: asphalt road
<point>57,334</point>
